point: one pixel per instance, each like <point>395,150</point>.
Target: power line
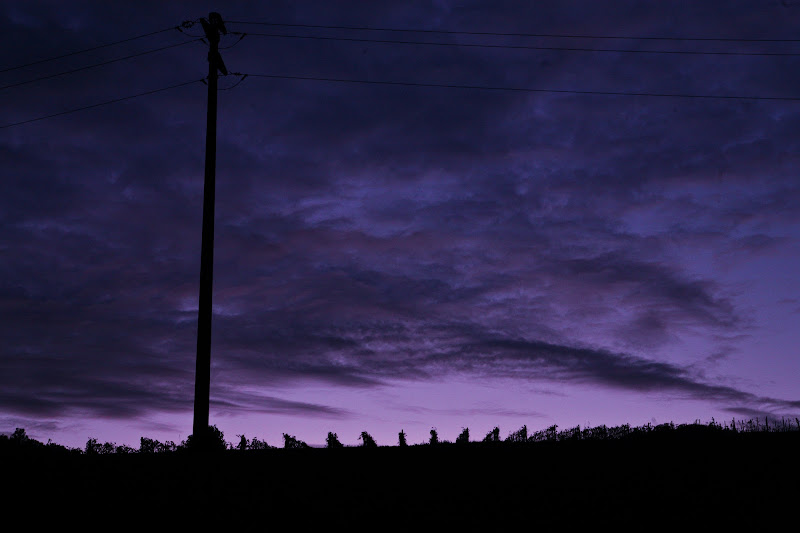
<point>524,47</point>
<point>505,34</point>
<point>96,65</point>
<point>414,84</point>
<point>241,36</point>
<point>90,49</point>
<point>524,89</point>
<point>102,103</point>
<point>241,79</point>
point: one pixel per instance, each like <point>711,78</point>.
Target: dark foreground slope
<point>683,480</point>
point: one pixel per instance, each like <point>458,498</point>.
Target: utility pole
<point>213,26</point>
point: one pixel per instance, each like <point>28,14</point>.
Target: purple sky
<point>394,257</point>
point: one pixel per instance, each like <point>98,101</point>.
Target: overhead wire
<point>240,80</point>
<point>525,89</point>
<point>95,65</point>
<point>241,36</point>
<point>405,83</point>
<point>186,24</point>
<point>523,47</point>
<point>414,84</point>
<point>89,49</point>
<point>107,102</point>
<point>511,34</point>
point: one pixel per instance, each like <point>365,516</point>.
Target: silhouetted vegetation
<point>521,435</point>
<point>292,443</point>
<point>551,475</point>
<point>493,436</point>
<point>367,441</point>
<point>256,444</point>
<point>212,441</point>
<point>332,441</point>
<point>19,440</point>
<point>153,446</point>
<point>594,475</point>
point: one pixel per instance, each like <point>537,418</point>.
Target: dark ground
<point>716,480</point>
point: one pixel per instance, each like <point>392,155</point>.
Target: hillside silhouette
<point>624,477</point>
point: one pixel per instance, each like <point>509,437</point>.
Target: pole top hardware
<point>216,19</point>
<point>213,26</point>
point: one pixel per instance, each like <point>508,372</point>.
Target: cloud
<point>365,234</point>
<point>484,410</point>
<point>759,414</point>
<point>235,403</point>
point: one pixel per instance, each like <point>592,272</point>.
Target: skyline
<point>401,257</point>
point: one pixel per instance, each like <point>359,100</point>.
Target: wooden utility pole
<point>202,381</point>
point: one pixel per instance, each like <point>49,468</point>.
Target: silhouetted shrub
<point>401,439</point>
<point>434,437</point>
<point>256,444</point>
<point>521,435</point>
<point>367,441</point>
<point>19,437</point>
<point>21,441</point>
<point>92,447</point>
<point>212,441</point>
<point>492,436</point>
<point>243,444</point>
<point>463,437</point>
<point>332,441</point>
<point>147,445</point>
<point>598,432</point>
<point>670,427</point>
<point>291,443</point>
<point>108,448</point>
<point>619,431</point>
<point>575,433</point>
